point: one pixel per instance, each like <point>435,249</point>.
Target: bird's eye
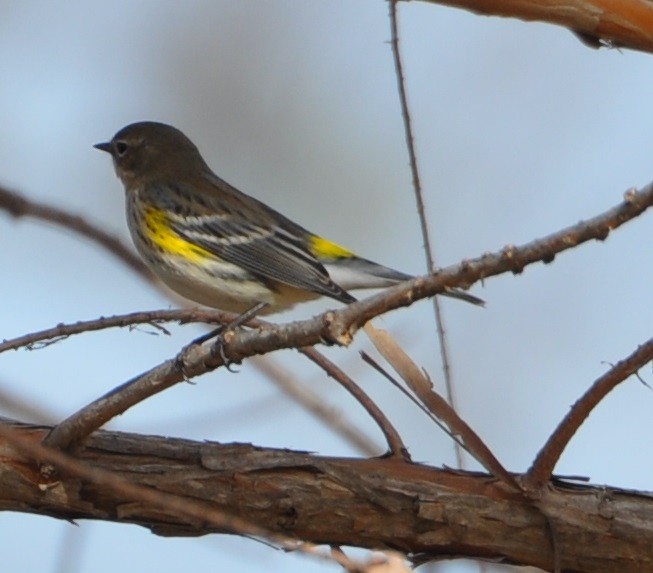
<point>121,148</point>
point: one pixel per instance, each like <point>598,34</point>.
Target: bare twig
<point>330,415</point>
<point>422,387</point>
<point>276,375</point>
<point>35,340</point>
<point>99,416</point>
<point>17,406</point>
<point>19,206</point>
<point>409,136</point>
<point>543,465</point>
<point>395,443</point>
<point>421,211</point>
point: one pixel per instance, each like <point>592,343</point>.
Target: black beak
<point>104,147</point>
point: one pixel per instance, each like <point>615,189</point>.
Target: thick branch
<point>376,503</point>
<point>622,23</point>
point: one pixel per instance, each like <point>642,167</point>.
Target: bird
<point>221,248</point>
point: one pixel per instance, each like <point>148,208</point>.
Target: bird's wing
<point>266,244</point>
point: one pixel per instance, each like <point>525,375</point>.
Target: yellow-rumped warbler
<point>219,247</point>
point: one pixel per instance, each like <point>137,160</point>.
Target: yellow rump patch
<point>324,249</point>
<point>157,229</point>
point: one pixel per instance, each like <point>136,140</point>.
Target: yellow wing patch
<point>157,230</point>
<point>324,249</point>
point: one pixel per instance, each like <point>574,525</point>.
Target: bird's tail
<point>463,295</point>
<point>358,273</point>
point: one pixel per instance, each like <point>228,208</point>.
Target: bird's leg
<point>218,334</point>
<point>235,323</point>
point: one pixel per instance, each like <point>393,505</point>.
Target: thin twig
<point>421,211</point>
<point>422,388</point>
<point>36,340</point>
<point>395,443</point>
<point>26,409</point>
<point>367,358</point>
<point>542,468</point>
<point>278,377</point>
<point>510,259</point>
<point>19,206</point>
<point>310,401</point>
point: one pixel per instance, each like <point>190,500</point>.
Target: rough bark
<point>378,503</point>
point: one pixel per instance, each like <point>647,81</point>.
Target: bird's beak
<point>104,147</point>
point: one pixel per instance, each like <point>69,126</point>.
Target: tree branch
<point>184,508</point>
<point>543,465</point>
<point>376,503</point>
<point>155,318</point>
<point>339,326</point>
<point>421,213</point>
<point>620,23</point>
<point>393,439</point>
<point>19,206</point>
<point>422,389</point>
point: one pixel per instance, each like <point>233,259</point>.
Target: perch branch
<point>340,325</point>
